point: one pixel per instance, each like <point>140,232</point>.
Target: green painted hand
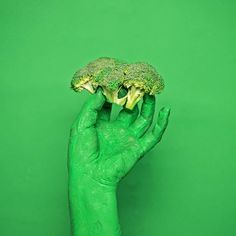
<point>106,150</point>
<point>101,152</point>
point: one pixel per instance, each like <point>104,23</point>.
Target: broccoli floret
<point>89,76</point>
<point>111,82</point>
<point>122,83</point>
<point>141,78</point>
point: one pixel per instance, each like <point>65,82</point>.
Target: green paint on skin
<point>101,153</point>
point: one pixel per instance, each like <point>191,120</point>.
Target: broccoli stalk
<point>133,97</point>
<point>88,85</point>
<point>112,96</point>
<point>84,83</point>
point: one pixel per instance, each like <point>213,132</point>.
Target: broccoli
<point>122,83</point>
<point>89,76</point>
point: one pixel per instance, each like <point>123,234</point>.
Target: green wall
<point>186,185</point>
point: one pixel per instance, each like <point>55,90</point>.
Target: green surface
<point>184,187</point>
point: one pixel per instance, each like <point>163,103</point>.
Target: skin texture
<point>101,153</point>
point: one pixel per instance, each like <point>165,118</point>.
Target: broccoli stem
<point>88,85</point>
<point>133,97</point>
<point>112,96</point>
<point>79,85</point>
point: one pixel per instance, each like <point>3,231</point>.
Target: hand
<point>106,150</point>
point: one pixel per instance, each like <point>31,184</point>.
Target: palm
<point>115,137</point>
<point>106,150</point>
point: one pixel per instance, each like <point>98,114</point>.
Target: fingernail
<point>168,109</point>
<point>99,94</point>
<point>99,90</point>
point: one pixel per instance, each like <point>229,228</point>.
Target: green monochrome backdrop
<point>184,186</point>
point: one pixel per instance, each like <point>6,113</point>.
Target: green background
<point>186,185</point>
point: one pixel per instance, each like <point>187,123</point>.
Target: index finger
<point>89,112</point>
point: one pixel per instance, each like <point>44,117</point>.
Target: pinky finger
<point>162,122</point>
<point>149,140</point>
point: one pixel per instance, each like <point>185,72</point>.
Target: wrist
<point>85,189</point>
<point>93,207</point>
<point>87,185</point>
